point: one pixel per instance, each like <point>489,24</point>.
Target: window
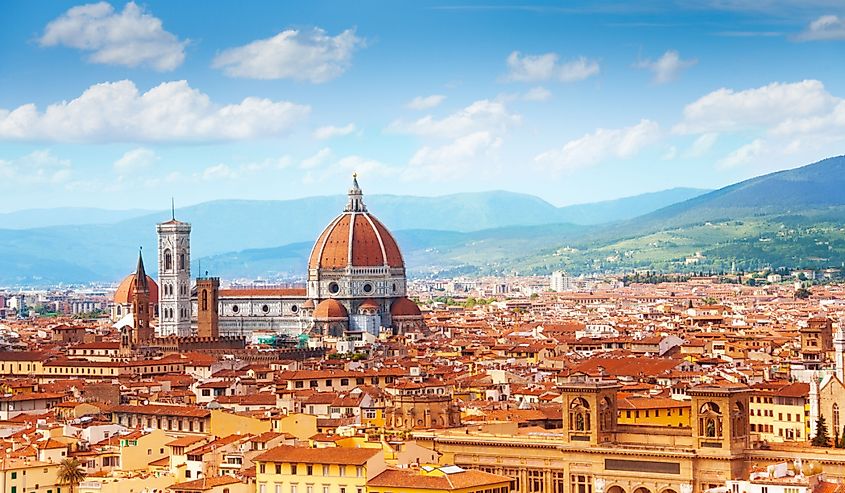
<point>278,488</point>
<point>279,469</point>
<point>580,483</point>
<point>181,261</point>
<point>835,416</point>
<point>262,468</point>
<point>168,260</point>
<point>293,488</point>
<point>325,488</point>
<point>535,481</point>
<point>204,299</point>
<point>309,470</point>
<point>359,471</point>
<point>325,470</point>
<point>292,469</point>
<point>341,470</point>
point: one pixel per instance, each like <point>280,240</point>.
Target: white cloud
<point>667,67</point>
<point>38,167</point>
<point>531,68</point>
<point>307,55</point>
<point>728,110</point>
<point>426,102</point>
<point>537,94</point>
<point>744,155</point>
<point>484,115</point>
<point>358,164</point>
<point>826,27</point>
<point>135,159</point>
<point>670,154</point>
<point>452,159</point>
<point>219,172</point>
<point>317,159</point>
<point>600,145</point>
<point>132,37</point>
<point>171,111</point>
<point>331,131</point>
<point>702,145</point>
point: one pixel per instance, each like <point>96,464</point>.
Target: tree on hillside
<point>821,439</point>
<point>70,472</point>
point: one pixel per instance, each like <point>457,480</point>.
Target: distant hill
<point>625,208</point>
<point>814,187</point>
<point>63,216</point>
<point>107,251</point>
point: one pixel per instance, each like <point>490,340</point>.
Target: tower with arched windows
<point>174,278</point>
<point>720,417</point>
<point>589,410</point>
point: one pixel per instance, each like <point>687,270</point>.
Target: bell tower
<point>174,276</point>
<point>589,410</point>
<point>208,318</point>
<point>143,331</point>
<point>720,418</point>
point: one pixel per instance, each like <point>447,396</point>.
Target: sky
<point>124,105</point>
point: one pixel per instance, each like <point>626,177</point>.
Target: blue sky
<point>123,105</point>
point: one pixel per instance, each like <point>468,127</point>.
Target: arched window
<point>579,415</point>
<point>739,420</point>
<point>168,260</point>
<point>181,261</point>
<point>606,415</point>
<point>835,417</point>
<point>204,299</point>
<point>710,420</point>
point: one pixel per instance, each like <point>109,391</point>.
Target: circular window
<point>265,309</point>
<point>294,309</point>
<point>368,288</point>
<point>334,288</point>
<point>236,309</point>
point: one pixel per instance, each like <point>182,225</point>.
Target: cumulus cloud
<point>331,131</point>
<point>359,164</point>
<point>450,160</point>
<point>532,68</point>
<point>667,67</point>
<point>171,111</point>
<point>135,160</point>
<point>762,107</point>
<point>38,167</point>
<point>426,102</point>
<point>483,115</point>
<point>131,37</point>
<point>743,155</point>
<point>219,172</point>
<point>317,159</point>
<point>600,145</point>
<point>307,55</point>
<point>702,145</point>
<point>826,27</point>
<point>537,94</point>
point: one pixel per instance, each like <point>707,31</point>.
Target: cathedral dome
<point>403,307</point>
<point>126,290</point>
<point>330,309</point>
<point>355,238</point>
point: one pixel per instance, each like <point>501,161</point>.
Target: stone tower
<point>720,418</point>
<point>143,331</point>
<point>174,277</point>
<point>589,409</point>
<point>208,318</point>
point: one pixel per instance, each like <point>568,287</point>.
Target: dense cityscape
<point>593,246</point>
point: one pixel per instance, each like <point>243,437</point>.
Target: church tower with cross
<point>174,277</point>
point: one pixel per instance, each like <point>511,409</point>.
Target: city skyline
<point>279,101</point>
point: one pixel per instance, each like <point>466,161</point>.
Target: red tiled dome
<point>403,307</point>
<point>371,245</point>
<point>330,308</point>
<point>370,304</point>
<point>126,290</point>
<point>355,238</point>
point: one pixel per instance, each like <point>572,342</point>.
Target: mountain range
<point>790,218</point>
<point>86,250</point>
